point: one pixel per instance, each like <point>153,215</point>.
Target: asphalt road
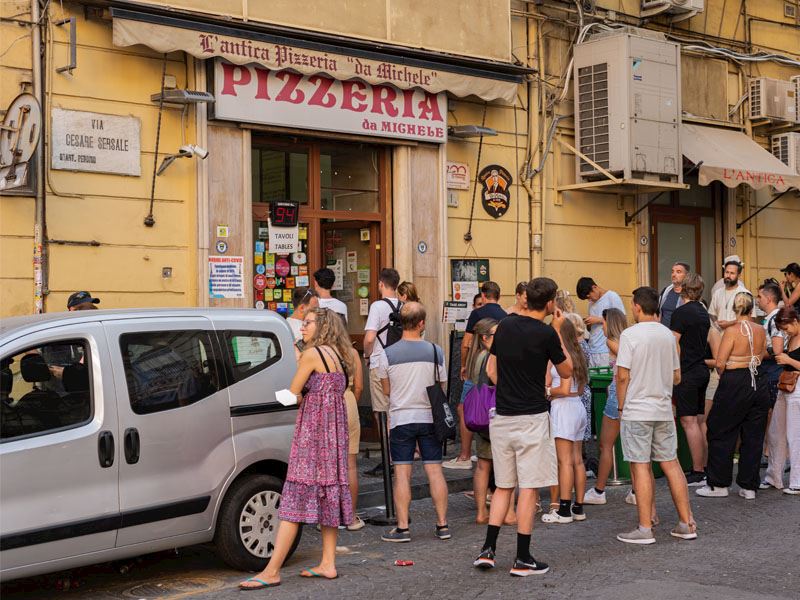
<point>746,551</point>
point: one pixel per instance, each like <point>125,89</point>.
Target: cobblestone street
<point>746,551</point>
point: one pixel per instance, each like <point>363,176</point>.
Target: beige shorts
<point>646,441</point>
<point>353,421</point>
<point>483,446</point>
<point>523,451</point>
<point>380,403</point>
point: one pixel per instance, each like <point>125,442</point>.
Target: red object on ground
<point>404,563</point>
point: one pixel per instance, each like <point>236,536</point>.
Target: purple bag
<point>480,400</point>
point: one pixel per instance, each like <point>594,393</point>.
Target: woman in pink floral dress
<point>316,489</point>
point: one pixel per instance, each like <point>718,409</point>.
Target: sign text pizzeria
<point>251,93</point>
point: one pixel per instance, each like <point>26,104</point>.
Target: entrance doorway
<point>684,229</point>
<point>342,190</point>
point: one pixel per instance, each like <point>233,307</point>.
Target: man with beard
<point>721,308</point>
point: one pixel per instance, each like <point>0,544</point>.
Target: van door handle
<point>131,443</point>
<point>105,449</point>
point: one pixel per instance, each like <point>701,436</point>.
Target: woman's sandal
<point>263,585</point>
<point>315,574</point>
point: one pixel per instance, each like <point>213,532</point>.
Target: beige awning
<point>733,158</point>
<point>490,81</point>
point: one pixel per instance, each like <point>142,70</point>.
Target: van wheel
<point>248,522</point>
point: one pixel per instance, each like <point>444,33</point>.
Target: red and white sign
<point>260,282</point>
<point>255,94</point>
<point>457,176</point>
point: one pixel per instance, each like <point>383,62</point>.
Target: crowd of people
<point>729,380</point>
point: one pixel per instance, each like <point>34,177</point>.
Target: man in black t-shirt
<point>523,451</point>
<point>690,324</point>
<point>489,309</point>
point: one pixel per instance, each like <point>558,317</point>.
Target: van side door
<point>174,419</point>
<point>59,448</point>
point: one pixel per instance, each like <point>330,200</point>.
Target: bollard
<point>389,519</point>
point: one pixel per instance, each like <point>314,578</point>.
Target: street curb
<point>371,494</point>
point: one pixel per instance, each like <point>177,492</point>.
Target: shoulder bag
<point>479,402</point>
<point>787,382</point>
<point>444,424</point>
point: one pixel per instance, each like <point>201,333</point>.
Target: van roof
<point>10,327</point>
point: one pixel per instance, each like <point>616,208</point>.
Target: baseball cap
<point>792,268</point>
<point>81,298</point>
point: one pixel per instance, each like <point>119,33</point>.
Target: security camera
<point>192,150</point>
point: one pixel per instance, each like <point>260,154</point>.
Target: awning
<point>733,158</point>
<point>342,59</point>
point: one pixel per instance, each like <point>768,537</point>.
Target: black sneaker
<point>485,559</point>
<point>393,535</point>
<point>522,568</point>
<point>695,478</point>
<point>443,533</point>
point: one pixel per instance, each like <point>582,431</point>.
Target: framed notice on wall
<point>469,269</point>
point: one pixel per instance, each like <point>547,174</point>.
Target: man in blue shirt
<point>599,300</point>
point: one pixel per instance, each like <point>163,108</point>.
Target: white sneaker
<point>592,497</point>
<point>709,491</point>
<point>473,458</point>
<point>554,517</point>
<point>454,463</point>
<point>791,491</point>
<point>629,499</point>
<point>747,494</point>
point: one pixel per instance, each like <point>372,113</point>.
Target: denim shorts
<point>612,404</point>
<point>645,441</point>
<point>403,441</point>
<point>468,385</point>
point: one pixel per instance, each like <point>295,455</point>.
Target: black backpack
<point>394,328</point>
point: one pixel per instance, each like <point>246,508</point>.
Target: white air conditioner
<point>773,99</point>
<point>796,82</point>
<point>628,106</point>
<point>677,10</point>
<point>786,148</point>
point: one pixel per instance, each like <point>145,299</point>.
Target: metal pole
<point>39,231</point>
<point>388,496</point>
<point>615,479</point>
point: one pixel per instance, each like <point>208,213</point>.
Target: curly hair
<point>330,332</point>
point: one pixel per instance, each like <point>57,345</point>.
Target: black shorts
<point>690,394</point>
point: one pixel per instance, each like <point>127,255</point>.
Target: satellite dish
<point>20,131</point>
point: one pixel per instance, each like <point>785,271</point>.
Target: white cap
<point>732,258</point>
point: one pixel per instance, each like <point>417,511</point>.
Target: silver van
<point>125,432</point>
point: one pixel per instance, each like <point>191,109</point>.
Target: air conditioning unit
<point>773,99</point>
<point>628,106</point>
<point>786,148</point>
<point>676,10</point>
<point>796,83</point>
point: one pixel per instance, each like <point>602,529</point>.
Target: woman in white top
<point>567,424</point>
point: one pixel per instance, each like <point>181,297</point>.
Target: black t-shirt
<point>523,347</point>
<point>487,311</point>
<point>692,322</point>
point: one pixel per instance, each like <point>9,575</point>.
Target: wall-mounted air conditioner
<point>796,83</point>
<point>786,148</point>
<point>773,99</point>
<point>628,106</point>
<point>677,10</point>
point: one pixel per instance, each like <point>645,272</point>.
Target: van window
<point>168,369</point>
<point>251,352</point>
<point>45,389</point>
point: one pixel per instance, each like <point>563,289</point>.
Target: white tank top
<point>557,382</point>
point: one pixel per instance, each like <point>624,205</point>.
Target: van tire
<point>230,546</point>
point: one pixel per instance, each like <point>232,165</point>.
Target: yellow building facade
<point>367,198</point>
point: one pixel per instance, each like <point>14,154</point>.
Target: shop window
<point>349,177</point>
<point>168,369</point>
<point>45,389</point>
<point>280,175</point>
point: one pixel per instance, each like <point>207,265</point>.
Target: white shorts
<point>567,419</point>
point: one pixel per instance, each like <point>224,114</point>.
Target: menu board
<point>277,275</point>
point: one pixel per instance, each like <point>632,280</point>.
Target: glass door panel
<point>675,242</point>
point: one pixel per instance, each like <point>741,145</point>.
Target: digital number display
<point>284,214</point>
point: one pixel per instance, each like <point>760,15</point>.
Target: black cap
<point>81,298</point>
<point>792,268</point>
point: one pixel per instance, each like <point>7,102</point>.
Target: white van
<point>125,432</point>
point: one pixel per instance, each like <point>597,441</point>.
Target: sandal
<point>263,585</point>
<point>315,574</point>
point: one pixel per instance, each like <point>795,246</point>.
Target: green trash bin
<point>599,380</point>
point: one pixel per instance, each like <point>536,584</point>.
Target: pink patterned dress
<point>316,488</point>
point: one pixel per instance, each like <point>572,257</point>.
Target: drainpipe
<point>39,225</point>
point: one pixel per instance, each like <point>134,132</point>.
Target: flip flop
<point>315,574</point>
<point>250,588</point>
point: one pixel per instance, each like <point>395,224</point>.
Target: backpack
<point>394,328</point>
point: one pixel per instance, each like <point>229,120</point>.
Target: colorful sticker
<point>282,267</point>
<point>290,282</point>
<point>299,258</point>
<point>260,247</point>
<point>287,295</point>
<point>303,233</point>
<point>277,294</point>
<point>363,274</point>
<point>258,258</point>
<point>270,282</point>
<point>273,305</point>
<point>294,270</point>
<point>302,270</point>
<point>301,281</point>
<point>260,304</point>
<point>363,291</point>
<point>261,269</point>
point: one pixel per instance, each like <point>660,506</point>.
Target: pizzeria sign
<point>254,94</point>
